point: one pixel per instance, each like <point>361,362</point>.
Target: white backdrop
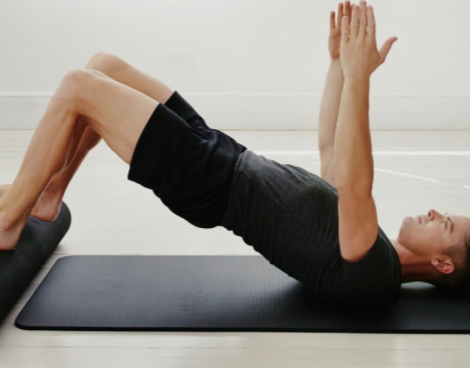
<point>243,64</point>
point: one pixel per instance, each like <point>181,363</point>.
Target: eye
<point>446,224</point>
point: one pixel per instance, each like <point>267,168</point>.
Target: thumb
<point>386,48</point>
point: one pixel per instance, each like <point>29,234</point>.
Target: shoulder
<point>358,225</point>
<point>375,279</point>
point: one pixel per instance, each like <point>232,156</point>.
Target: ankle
<point>55,186</point>
<point>7,222</point>
<point>9,217</point>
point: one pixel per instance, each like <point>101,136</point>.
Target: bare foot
<point>47,207</point>
<point>9,237</point>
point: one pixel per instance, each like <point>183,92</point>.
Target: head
<point>443,240</point>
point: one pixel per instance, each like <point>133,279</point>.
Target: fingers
<point>340,14</point>
<point>347,9</point>
<point>337,22</point>
<point>343,10</point>
<point>362,19</point>
<point>354,21</point>
<point>386,48</point>
<point>371,29</point>
<point>345,30</point>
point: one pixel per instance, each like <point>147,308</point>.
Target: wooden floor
<point>414,172</point>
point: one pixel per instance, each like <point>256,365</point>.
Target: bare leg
<point>47,207</point>
<point>114,111</point>
<point>51,144</point>
<point>48,204</point>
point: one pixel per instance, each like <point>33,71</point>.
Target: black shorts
<point>188,165</point>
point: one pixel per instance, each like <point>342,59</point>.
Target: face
<point>429,235</point>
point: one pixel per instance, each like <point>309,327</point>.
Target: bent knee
<point>105,62</point>
<point>73,86</point>
<point>95,59</point>
<point>74,79</point>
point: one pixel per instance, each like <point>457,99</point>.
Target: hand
<point>334,40</point>
<point>359,54</point>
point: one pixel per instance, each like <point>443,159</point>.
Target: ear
<point>443,265</point>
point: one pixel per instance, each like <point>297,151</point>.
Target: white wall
<point>251,64</point>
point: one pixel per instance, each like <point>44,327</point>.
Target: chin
<point>405,227</point>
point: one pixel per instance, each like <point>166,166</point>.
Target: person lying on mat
<point>320,231</point>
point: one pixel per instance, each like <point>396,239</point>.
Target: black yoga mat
<point>18,267</point>
<point>217,293</point>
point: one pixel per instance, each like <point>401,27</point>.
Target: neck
<point>413,267</point>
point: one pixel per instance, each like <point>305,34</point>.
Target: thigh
<point>183,109</point>
<point>187,165</point>
<point>113,110</point>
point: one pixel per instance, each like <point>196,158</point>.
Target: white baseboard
<point>244,111</point>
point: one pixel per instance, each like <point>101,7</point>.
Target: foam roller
<point>19,266</point>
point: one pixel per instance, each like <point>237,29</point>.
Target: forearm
<point>330,104</point>
<point>353,147</point>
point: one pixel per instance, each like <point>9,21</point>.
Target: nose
<point>433,214</point>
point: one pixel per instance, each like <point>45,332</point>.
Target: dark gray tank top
<point>290,216</point>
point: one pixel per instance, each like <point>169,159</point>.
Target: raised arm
<point>329,108</point>
<point>357,212</point>
<point>331,97</point>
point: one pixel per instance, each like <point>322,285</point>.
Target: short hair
<point>459,280</point>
